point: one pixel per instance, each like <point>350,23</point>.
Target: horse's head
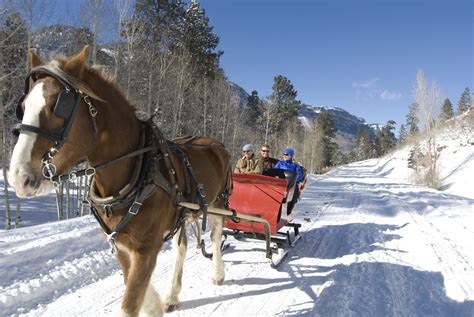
<point>55,125</point>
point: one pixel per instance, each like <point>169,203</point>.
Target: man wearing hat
<point>288,164</point>
<point>248,164</point>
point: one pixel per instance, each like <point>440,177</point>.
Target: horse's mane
<point>56,65</point>
<point>76,83</point>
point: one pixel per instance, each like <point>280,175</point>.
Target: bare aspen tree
<point>97,15</point>
<point>132,32</point>
<point>4,145</point>
<point>17,214</point>
<point>166,61</point>
<point>4,149</point>
<point>68,200</point>
<point>267,114</point>
<point>122,7</point>
<point>429,99</point>
<point>204,106</point>
<point>35,12</point>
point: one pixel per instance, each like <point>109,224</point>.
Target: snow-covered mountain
<point>346,123</point>
<point>67,40</point>
<point>240,94</point>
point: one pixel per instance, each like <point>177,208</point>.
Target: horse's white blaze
<point>21,157</point>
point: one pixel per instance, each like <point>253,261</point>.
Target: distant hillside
<point>347,124</point>
<point>57,39</point>
<point>240,94</point>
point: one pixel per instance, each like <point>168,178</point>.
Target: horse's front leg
<point>217,224</point>
<point>139,292</point>
<point>124,261</point>
<point>179,249</point>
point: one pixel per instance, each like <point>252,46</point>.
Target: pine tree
<point>413,119</point>
<point>402,136</point>
<point>465,101</point>
<point>415,157</point>
<point>378,143</point>
<point>284,103</point>
<point>327,148</point>
<point>162,21</point>
<point>364,145</point>
<point>446,110</point>
<point>388,137</point>
<point>199,40</point>
<point>253,112</point>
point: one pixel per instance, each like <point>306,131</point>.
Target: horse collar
<point>126,195</point>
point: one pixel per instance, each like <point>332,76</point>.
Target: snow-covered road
<point>371,246</point>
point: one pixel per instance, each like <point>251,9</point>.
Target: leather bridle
<point>66,106</point>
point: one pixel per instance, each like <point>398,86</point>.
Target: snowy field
<point>373,245</point>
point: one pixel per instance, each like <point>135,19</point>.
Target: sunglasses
<point>286,154</point>
<point>265,151</point>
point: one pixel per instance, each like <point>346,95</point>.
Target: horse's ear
<point>34,60</point>
<point>76,64</point>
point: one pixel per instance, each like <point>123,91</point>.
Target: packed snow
<point>373,244</point>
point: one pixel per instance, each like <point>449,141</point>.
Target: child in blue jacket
<point>288,164</point>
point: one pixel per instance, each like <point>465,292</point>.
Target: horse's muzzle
<point>27,184</point>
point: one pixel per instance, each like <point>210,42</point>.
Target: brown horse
<point>100,127</point>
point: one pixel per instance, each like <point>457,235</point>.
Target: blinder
<point>65,107</point>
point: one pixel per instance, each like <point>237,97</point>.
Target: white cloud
<point>371,83</point>
<point>369,89</point>
<point>390,95</point>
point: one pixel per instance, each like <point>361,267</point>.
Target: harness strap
<point>165,150</point>
<point>133,210</point>
<point>99,219</point>
<point>201,194</point>
<point>91,170</point>
<point>18,127</point>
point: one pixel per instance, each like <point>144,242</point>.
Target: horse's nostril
<point>26,180</point>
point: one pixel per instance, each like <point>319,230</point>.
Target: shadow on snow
<point>358,289</point>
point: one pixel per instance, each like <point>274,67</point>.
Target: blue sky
<point>361,56</point>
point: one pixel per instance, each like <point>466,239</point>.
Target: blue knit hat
<point>289,151</point>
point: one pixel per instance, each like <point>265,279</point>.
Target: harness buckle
<point>72,177</point>
<point>134,208</point>
<point>108,210</point>
<point>111,241</point>
<point>89,171</point>
<point>49,170</point>
<point>202,193</point>
<point>52,152</point>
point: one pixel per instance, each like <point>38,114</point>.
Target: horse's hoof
<point>218,282</point>
<point>172,308</point>
<point>171,303</point>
